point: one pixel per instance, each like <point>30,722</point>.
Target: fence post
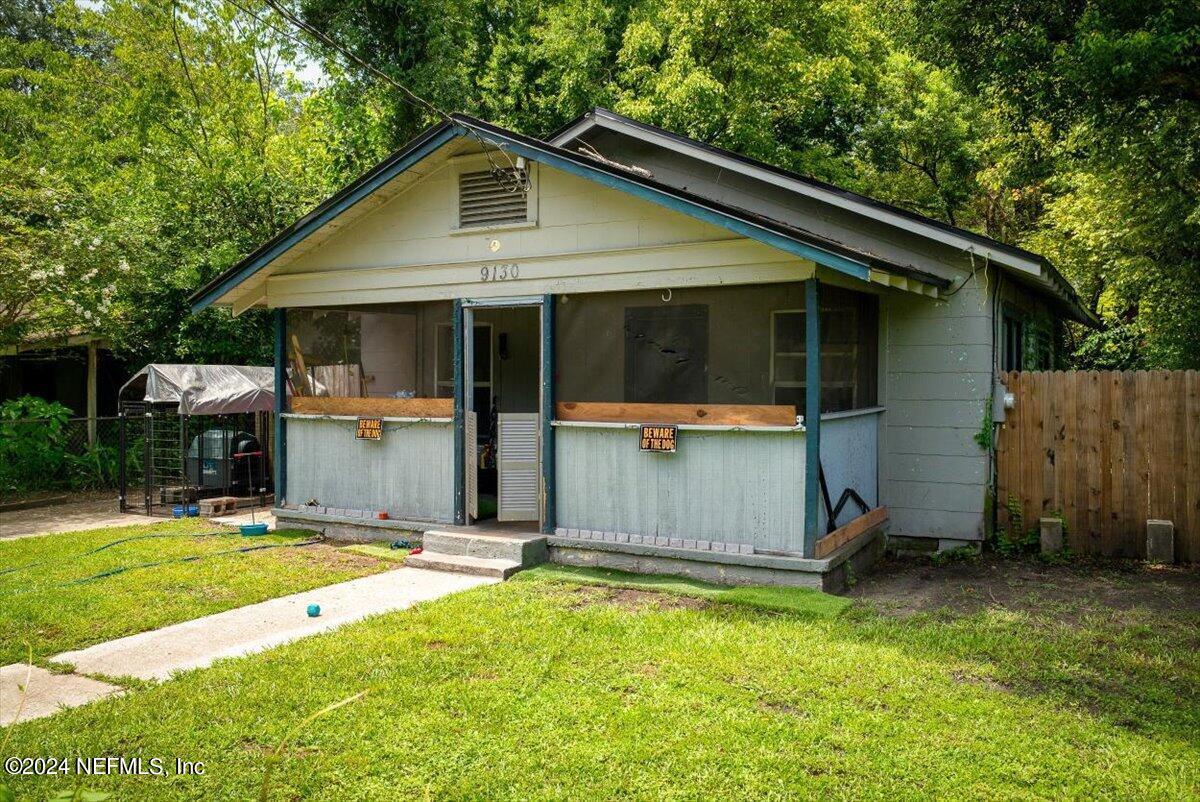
<point>147,469</point>
<point>122,477</point>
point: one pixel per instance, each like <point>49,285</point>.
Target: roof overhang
<point>1031,267</point>
<point>789,239</point>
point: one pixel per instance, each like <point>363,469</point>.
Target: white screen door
<point>517,464</point>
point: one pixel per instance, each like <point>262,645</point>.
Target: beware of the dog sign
<point>659,437</point>
<point>369,429</point>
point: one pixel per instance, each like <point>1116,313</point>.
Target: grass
<point>378,551</point>
<point>40,606</point>
<point>548,689</point>
<point>802,601</point>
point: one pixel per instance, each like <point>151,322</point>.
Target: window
<point>1014,343</point>
<point>666,354</point>
<point>849,330</point>
<point>491,199</point>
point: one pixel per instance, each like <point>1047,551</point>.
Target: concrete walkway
<point>70,517</point>
<point>158,654</point>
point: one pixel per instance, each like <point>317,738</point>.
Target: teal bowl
<point>251,530</point>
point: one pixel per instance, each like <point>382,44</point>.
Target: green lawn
<point>544,688</point>
<point>40,606</point>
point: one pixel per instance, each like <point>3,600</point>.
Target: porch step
<point>479,554</point>
<point>463,564</point>
<point>526,551</point>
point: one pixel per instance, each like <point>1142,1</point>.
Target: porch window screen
<point>849,337</point>
<point>714,345</point>
<point>375,351</point>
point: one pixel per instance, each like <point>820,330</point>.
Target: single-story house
<point>658,354</point>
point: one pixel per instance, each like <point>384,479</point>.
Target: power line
<point>510,178</point>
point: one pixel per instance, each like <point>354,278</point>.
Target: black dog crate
<point>229,461</point>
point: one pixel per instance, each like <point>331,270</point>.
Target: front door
<point>502,403</point>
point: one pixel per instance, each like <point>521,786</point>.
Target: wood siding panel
<point>735,487</point>
<point>1106,451</point>
<point>409,473</point>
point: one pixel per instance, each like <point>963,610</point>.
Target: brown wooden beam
<point>844,534</point>
<point>374,407</point>
<point>711,414</point>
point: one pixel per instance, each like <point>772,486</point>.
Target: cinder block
<point>689,544</point>
<point>610,537</point>
<point>560,531</point>
<point>1052,535</point>
<point>622,537</point>
<point>573,533</point>
<point>703,545</point>
<point>635,539</point>
<point>661,541</point>
<point>675,542</point>
<point>745,548</point>
<point>1160,541</point>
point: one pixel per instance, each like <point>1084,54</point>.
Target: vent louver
<point>487,200</point>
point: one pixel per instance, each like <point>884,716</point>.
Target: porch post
<point>281,384</point>
<point>812,414</point>
<point>460,419</point>
<point>547,449</point>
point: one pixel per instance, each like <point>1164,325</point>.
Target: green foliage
<point>1015,540</point>
<point>32,443</point>
<point>985,438</point>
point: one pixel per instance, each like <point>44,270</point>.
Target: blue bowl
<point>253,530</point>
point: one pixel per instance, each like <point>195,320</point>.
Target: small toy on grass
<point>401,544</point>
<point>314,610</point>
<point>417,550</point>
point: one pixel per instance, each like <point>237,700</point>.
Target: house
<point>661,355</point>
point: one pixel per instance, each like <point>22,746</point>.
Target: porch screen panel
<point>741,345</point>
<point>374,351</point>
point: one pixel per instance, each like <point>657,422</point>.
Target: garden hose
<point>37,563</point>
<point>190,558</point>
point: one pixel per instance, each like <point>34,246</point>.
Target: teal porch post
<point>548,507</point>
<point>812,414</point>
<point>280,455</point>
<point>460,419</point>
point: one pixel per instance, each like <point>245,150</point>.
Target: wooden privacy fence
<point>1106,450</point>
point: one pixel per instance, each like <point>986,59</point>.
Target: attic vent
<point>488,200</point>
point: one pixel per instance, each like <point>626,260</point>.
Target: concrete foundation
<point>831,574</point>
<point>352,530</point>
<point>1160,541</point>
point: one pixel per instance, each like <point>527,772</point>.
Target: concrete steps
<point>478,554</point>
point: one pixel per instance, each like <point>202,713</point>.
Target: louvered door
<point>517,466</point>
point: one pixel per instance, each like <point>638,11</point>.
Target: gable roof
<point>1017,259</point>
<point>780,234</point>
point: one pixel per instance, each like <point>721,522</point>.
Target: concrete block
<point>610,537</point>
<point>745,548</point>
<point>1160,541</point>
<point>622,537</point>
<point>1052,535</point>
<point>573,533</point>
<point>560,531</point>
<point>703,545</point>
<point>689,544</point>
<point>635,539</point>
<point>675,542</point>
<point>661,541</point>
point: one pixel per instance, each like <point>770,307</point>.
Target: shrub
<point>33,443</point>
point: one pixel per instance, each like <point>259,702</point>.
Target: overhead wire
<point>511,178</point>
